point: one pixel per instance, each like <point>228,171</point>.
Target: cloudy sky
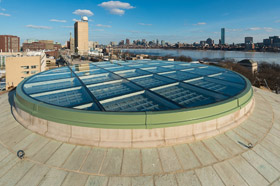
<point>177,20</point>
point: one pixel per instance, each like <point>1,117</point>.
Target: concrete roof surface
<point>220,160</point>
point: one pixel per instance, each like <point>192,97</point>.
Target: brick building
<point>9,43</point>
<point>41,45</point>
<point>35,46</point>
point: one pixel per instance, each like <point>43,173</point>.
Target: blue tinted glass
<point>109,90</point>
<point>65,98</point>
<point>143,85</point>
<point>45,86</point>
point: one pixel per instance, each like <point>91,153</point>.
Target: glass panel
<point>152,81</point>
<point>91,72</point>
<point>179,75</point>
<point>157,69</point>
<point>141,102</point>
<point>186,97</point>
<point>132,73</point>
<point>203,71</point>
<point>65,98</point>
<point>212,84</point>
<point>99,78</point>
<point>118,68</point>
<point>44,86</point>
<point>229,76</point>
<point>109,90</point>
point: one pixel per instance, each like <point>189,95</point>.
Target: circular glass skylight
<point>134,86</point>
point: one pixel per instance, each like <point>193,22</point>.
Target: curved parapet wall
<point>132,129</point>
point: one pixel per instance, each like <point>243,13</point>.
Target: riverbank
<point>210,54</point>
<point>269,50</point>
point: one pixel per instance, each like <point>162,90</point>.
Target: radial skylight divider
<point>89,92</point>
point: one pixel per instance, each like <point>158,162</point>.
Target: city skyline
<point>114,20</point>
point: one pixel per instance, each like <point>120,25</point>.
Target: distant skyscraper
<point>72,44</point>
<point>81,36</point>
<point>113,43</point>
<point>223,35</point>
<point>144,41</point>
<point>9,43</point>
<point>121,42</point>
<point>127,42</point>
<point>249,40</point>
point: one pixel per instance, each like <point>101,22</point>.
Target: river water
<point>211,54</point>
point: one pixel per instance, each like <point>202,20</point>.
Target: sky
<point>184,21</point>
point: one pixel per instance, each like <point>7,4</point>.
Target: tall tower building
<point>72,44</point>
<point>249,40</point>
<point>223,35</point>
<point>81,36</point>
<point>127,42</point>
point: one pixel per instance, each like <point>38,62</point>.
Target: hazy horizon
<point>183,21</point>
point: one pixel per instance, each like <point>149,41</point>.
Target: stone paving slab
<point>54,177</point>
<point>277,183</point>
<point>269,172</point>
<point>274,139</point>
<point>74,179</point>
<point>3,152</point>
<point>247,135</point>
<point>235,138</point>
<point>248,173</point>
<point>165,180</point>
<point>220,160</point>
<point>14,135</point>
<point>169,159</point>
<point>7,163</point>
<point>270,157</point>
<point>36,146</point>
<point>252,128</point>
<point>187,178</point>
<point>97,181</point>
<point>60,155</point>
<point>24,143</point>
<point>112,162</point>
<point>186,157</point>
<point>228,174</point>
<point>208,176</point>
<point>119,181</point>
<point>33,176</point>
<point>77,158</point>
<point>151,161</point>
<point>275,132</point>
<point>142,180</point>
<point>7,121</point>
<point>131,162</point>
<point>270,146</point>
<point>229,144</point>
<point>202,153</point>
<point>217,149</point>
<point>94,161</point>
<point>45,153</point>
<point>15,174</point>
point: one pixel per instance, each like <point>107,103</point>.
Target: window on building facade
<point>25,67</point>
<point>34,66</point>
